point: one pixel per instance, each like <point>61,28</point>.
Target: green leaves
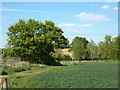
<point>79,45</point>
<point>33,40</point>
<point>93,50</point>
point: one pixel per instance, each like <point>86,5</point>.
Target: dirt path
<point>37,70</point>
<point>34,72</point>
<point>31,72</point>
<point>3,76</point>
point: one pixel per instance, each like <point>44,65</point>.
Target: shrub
<point>70,49</point>
<point>4,72</point>
<point>26,68</point>
<point>4,53</point>
<point>67,57</point>
<point>9,70</point>
<point>57,63</point>
<point>19,69</point>
<point>75,59</point>
<point>56,56</point>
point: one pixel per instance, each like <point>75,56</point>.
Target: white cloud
<point>91,16</point>
<point>105,7</point>
<point>115,8</point>
<point>85,25</point>
<point>74,25</point>
<point>10,10</point>
<point>19,10</point>
<point>63,24</point>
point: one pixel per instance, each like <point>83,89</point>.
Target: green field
<point>81,75</point>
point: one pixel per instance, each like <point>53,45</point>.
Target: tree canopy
<point>34,40</point>
<point>109,49</point>
<point>79,46</point>
<point>93,50</point>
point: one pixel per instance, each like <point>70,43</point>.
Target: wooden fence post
<point>4,82</point>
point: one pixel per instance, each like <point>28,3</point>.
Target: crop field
<point>103,74</point>
<point>82,75</point>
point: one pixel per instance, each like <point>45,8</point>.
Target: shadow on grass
<point>57,64</point>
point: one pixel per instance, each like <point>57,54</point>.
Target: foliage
<point>14,62</point>
<point>10,70</point>
<point>4,72</point>
<point>67,57</point>
<point>34,40</point>
<point>79,46</point>
<point>4,53</point>
<point>93,50</point>
<point>0,51</point>
<point>66,46</point>
<point>56,56</point>
<point>109,48</point>
<point>70,49</point>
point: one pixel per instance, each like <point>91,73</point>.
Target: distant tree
<point>34,40</point>
<point>66,46</point>
<point>92,47</point>
<point>79,46</point>
<point>118,55</point>
<point>109,48</point>
<point>115,47</point>
<point>104,50</point>
<point>108,41</point>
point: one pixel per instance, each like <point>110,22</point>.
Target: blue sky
<point>92,20</point>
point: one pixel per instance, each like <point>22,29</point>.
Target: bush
<point>70,49</point>
<point>4,53</point>
<point>26,68</point>
<point>4,72</point>
<point>19,69</point>
<point>9,70</point>
<point>57,63</point>
<point>56,56</point>
<point>67,57</point>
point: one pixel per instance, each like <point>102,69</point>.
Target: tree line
<point>107,49</point>
<point>36,41</point>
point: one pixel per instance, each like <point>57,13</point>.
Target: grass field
<point>80,75</point>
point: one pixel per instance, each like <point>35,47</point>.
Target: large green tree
<point>34,40</point>
<point>79,46</point>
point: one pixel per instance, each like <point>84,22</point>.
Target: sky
<point>92,20</point>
